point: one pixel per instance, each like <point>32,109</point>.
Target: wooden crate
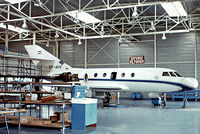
<point>27,97</point>
<point>53,118</point>
<point>60,114</point>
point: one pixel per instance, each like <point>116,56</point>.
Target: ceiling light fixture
<point>120,39</point>
<point>15,1</point>
<point>83,16</point>
<point>47,45</point>
<point>152,28</point>
<point>56,35</point>
<point>13,28</point>
<point>24,24</point>
<point>164,37</point>
<point>174,9</point>
<point>102,30</point>
<point>37,3</point>
<point>79,42</point>
<point>135,14</point>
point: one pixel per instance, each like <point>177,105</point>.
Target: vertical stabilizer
<point>41,57</point>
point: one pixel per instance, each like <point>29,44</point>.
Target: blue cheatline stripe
<point>148,81</point>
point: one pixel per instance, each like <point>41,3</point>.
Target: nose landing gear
<point>163,100</point>
<point>159,100</point>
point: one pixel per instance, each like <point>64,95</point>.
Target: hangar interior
<point>123,28</point>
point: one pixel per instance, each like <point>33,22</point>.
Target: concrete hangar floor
<point>138,117</point>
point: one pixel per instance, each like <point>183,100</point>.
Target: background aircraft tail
<point>51,64</point>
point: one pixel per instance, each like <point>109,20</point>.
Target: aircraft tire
<point>163,104</point>
<point>106,100</point>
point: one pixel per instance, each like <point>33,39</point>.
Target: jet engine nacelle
<point>66,77</point>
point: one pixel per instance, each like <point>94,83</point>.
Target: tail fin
<point>44,58</point>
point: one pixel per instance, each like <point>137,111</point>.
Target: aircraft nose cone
<point>190,82</point>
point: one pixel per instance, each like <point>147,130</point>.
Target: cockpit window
<point>177,74</point>
<point>172,74</point>
<point>165,74</point>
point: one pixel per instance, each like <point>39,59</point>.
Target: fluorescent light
<point>174,9</point>
<point>83,16</point>
<point>15,1</point>
<point>13,28</point>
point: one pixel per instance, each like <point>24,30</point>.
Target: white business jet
<point>152,80</point>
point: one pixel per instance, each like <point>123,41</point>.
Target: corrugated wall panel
<point>72,53</point>
<point>137,49</point>
<point>137,66</point>
<point>108,54</point>
<point>176,48</point>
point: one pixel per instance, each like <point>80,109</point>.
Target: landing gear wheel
<point>106,100</point>
<point>163,104</point>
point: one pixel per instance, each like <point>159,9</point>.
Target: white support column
<point>6,40</point>
<point>118,95</point>
<point>34,38</point>
<point>195,56</point>
<point>86,53</point>
<point>155,41</point>
<point>8,15</point>
<point>118,55</point>
<point>155,51</point>
<point>56,49</point>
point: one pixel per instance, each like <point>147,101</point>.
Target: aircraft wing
<point>109,88</point>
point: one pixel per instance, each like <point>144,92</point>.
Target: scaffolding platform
<point>190,95</point>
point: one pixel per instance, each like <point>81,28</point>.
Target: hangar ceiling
<point>49,20</point>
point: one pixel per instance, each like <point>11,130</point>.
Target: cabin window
<point>113,75</point>
<point>172,74</point>
<point>123,74</point>
<point>177,74</point>
<point>95,75</point>
<point>104,74</point>
<point>165,74</point>
<point>132,74</point>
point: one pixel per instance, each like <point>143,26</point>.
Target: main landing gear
<point>106,100</point>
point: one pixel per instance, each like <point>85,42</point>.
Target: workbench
<point>11,111</point>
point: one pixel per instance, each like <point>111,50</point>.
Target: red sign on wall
<point>136,60</point>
